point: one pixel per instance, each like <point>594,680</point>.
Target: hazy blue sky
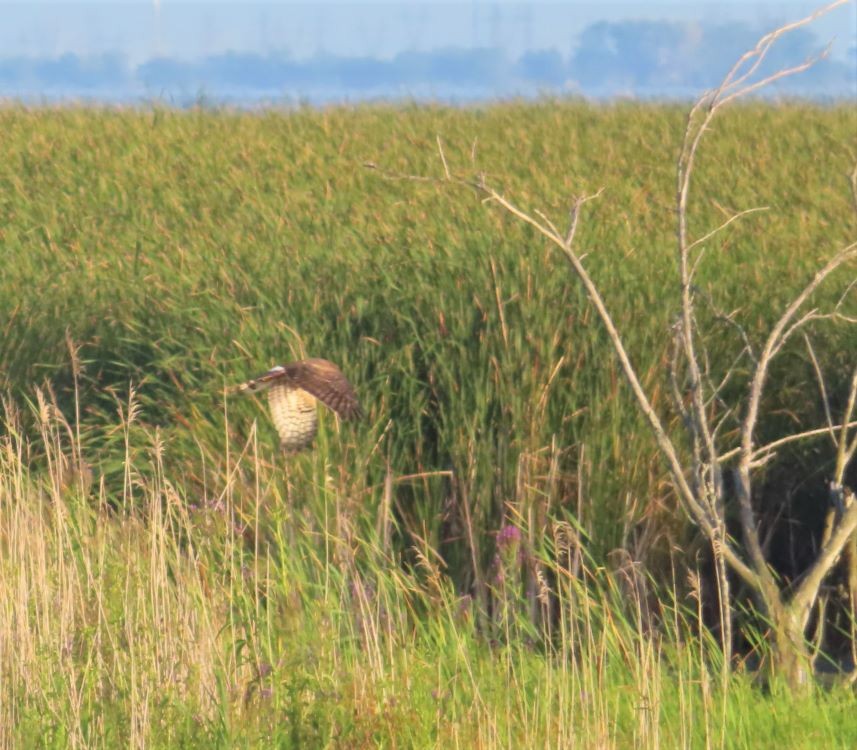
<point>181,49</point>
<point>189,29</point>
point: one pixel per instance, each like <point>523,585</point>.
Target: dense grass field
<point>493,557</point>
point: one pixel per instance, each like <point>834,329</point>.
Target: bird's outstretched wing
<point>325,381</point>
<point>319,377</point>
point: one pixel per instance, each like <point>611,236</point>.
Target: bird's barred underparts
<point>293,392</point>
<point>295,416</point>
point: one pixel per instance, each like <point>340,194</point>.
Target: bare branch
<point>759,52</point>
<point>721,227</point>
<point>716,390</point>
<point>776,77</point>
<point>492,196</point>
<point>574,213</point>
<point>673,368</point>
<point>852,178</point>
<point>389,175</point>
<point>822,388</point>
<point>728,413</point>
<point>843,297</point>
<point>845,451</point>
<point>774,341</point>
<point>807,590</point>
<point>768,449</point>
<point>807,317</point>
<point>547,222</point>
<point>716,230</point>
<point>443,158</point>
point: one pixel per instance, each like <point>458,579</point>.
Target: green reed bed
<point>169,578</point>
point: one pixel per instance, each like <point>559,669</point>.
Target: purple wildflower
<point>508,537</point>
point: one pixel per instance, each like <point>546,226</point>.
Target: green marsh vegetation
<point>495,556</point>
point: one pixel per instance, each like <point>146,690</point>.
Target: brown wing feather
<point>325,381</point>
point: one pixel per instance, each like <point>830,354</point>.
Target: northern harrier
<point>292,393</point>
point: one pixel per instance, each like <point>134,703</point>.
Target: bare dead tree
<point>698,477</point>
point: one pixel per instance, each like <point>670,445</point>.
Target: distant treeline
<point>627,58</point>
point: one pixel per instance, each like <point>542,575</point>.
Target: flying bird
<point>293,390</point>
